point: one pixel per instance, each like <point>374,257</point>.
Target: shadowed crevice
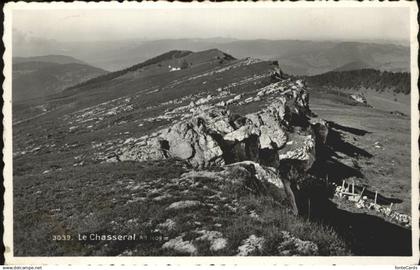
<point>352,130</point>
<point>336,142</point>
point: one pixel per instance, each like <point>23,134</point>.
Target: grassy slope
<point>389,168</point>
<point>40,79</point>
<point>126,198</point>
<point>91,188</point>
<point>380,81</point>
<point>388,91</point>
<point>53,196</point>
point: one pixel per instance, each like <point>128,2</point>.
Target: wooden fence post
<point>309,208</point>
<point>361,193</point>
<point>376,196</point>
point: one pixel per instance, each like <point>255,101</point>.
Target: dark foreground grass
<point>275,218</point>
<point>127,197</point>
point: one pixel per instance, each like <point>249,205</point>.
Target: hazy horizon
<point>317,24</point>
<point>119,38</point>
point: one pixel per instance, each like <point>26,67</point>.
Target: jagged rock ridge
<point>216,136</point>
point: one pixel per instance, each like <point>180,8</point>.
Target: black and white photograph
<point>269,130</point>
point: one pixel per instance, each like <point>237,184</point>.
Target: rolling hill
<point>167,62</point>
<point>388,91</point>
<point>37,77</point>
<point>57,59</point>
<point>379,81</point>
<point>353,66</point>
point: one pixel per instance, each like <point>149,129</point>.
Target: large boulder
<point>359,97</point>
<point>245,175</point>
<point>293,246</point>
<point>262,173</point>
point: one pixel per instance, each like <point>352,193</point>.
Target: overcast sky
<point>245,23</point>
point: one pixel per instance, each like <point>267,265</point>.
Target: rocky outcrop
<point>289,245</point>
<point>181,246</point>
<point>279,136</point>
<point>216,239</point>
<point>262,173</point>
<point>293,246</point>
<point>247,175</point>
<point>216,136</point>
<point>275,136</point>
<point>359,97</point>
<point>250,245</point>
<point>183,204</point>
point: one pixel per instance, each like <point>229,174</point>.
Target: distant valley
<point>41,76</point>
<point>37,77</point>
<point>299,57</point>
<point>65,64</point>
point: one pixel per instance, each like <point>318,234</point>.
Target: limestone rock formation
<point>359,97</point>
<point>216,239</point>
<point>216,136</point>
<point>181,246</point>
<point>250,245</point>
<point>262,173</point>
<point>292,246</point>
<point>246,174</point>
<point>183,204</point>
<point>279,136</point>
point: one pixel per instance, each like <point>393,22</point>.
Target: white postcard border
<point>191,261</point>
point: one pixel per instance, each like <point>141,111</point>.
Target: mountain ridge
<point>369,78</point>
<point>298,57</point>
<point>52,58</point>
<point>353,66</point>
<point>200,57</point>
